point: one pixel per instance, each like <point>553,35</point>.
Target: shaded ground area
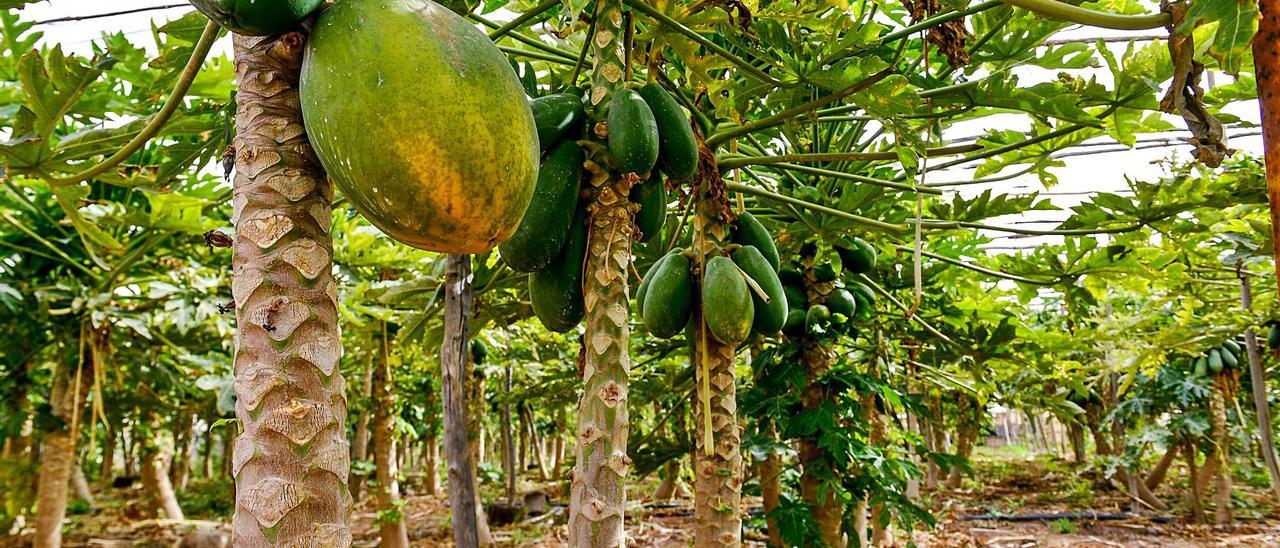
<point>1005,483</point>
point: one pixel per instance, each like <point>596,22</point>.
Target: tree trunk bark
<point>539,446</point>
<point>966,431</point>
<point>1266,62</point>
<point>598,491</point>
<point>360,449</point>
<point>181,464</point>
<point>432,475</point>
<point>1193,482</point>
<point>1077,443</point>
<point>828,510</point>
<point>158,493</point>
<point>1162,467</point>
<point>1222,439</point>
<point>770,473</point>
<point>58,453</point>
<point>508,446</point>
<point>391,524</point>
<point>292,461</point>
<point>107,472</point>
<point>475,421</point>
<point>1258,380</point>
<point>126,451</point>
<point>80,485</point>
<point>454,356</point>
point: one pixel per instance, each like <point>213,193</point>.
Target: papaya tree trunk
<point>770,473</point>
<point>58,448</point>
<point>432,486</point>
<point>475,422</point>
<point>157,488</point>
<point>1076,433</point>
<point>1193,483</point>
<point>454,354</point>
<point>391,526</point>
<point>1258,380</point>
<point>80,485</point>
<point>360,448</point>
<point>598,491</point>
<point>817,476</point>
<point>1266,62</point>
<point>107,471</point>
<point>1221,439</point>
<point>292,461</point>
<point>508,445</point>
<point>1156,477</point>
<point>539,445</point>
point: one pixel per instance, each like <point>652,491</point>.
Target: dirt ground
<point>1004,484</point>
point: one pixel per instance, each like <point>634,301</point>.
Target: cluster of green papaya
<point>846,303</point>
<point>740,291</point>
<point>645,127</point>
<point>1214,361</point>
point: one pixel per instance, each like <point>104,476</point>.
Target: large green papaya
<point>652,197</point>
<point>790,275</point>
<point>842,301</point>
<point>556,115</point>
<point>749,231</point>
<point>257,17</point>
<point>479,351</point>
<point>545,227</point>
<point>796,296</point>
<point>421,122</point>
<point>556,291</point>
<point>866,300</point>
<point>1273,337</point>
<point>728,309</point>
<point>1229,359</point>
<point>633,133</point>
<point>795,322</point>
<point>772,315</point>
<point>677,148</point>
<point>860,258</point>
<point>1215,361</point>
<point>816,319</point>
<point>669,297</point>
<point>824,272</point>
<point>1233,346</point>
<point>1200,367</point>
<point>643,289</point>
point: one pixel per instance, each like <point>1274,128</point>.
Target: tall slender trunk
<point>181,465</point>
<point>454,355</point>
<point>360,447</point>
<point>1258,380</point>
<point>770,473</point>
<point>539,445</point>
<point>391,525</point>
<point>1266,62</point>
<point>522,454</point>
<point>1221,439</point>
<point>828,509</point>
<point>432,451</point>
<point>475,421</point>
<point>107,472</point>
<point>598,491</point>
<point>966,430</point>
<point>126,451</point>
<point>58,448</point>
<point>206,454</point>
<point>508,447</point>
<point>1076,433</point>
<point>292,461</point>
<point>80,485</point>
<point>157,488</point>
<point>1193,482</point>
<point>1156,477</point>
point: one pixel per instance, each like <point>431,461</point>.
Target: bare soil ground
<point>1004,483</point>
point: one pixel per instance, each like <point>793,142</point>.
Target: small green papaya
<point>479,351</point>
<point>1273,337</point>
<point>795,296</point>
<point>256,17</point>
<point>866,300</point>
<point>791,276</point>
<point>1229,359</point>
<point>729,310</point>
<point>677,148</point>
<point>652,197</point>
<point>545,227</point>
<point>772,315</point>
<point>842,301</point>
<point>749,231</point>
<point>633,133</point>
<point>858,259</point>
<point>816,319</point>
<point>556,116</point>
<point>1233,346</point>
<point>795,322</point>
<point>1200,367</point>
<point>669,298</point>
<point>824,272</point>
<point>1215,361</point>
<point>556,291</point>
<point>648,277</point>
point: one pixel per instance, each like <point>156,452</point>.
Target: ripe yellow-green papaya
<point>633,133</point>
<point>677,148</point>
<point>652,197</point>
<point>556,291</point>
<point>749,231</point>
<point>556,116</point>
<point>770,316</point>
<point>669,298</point>
<point>421,122</point>
<point>542,233</point>
<point>727,306</point>
<point>257,17</point>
